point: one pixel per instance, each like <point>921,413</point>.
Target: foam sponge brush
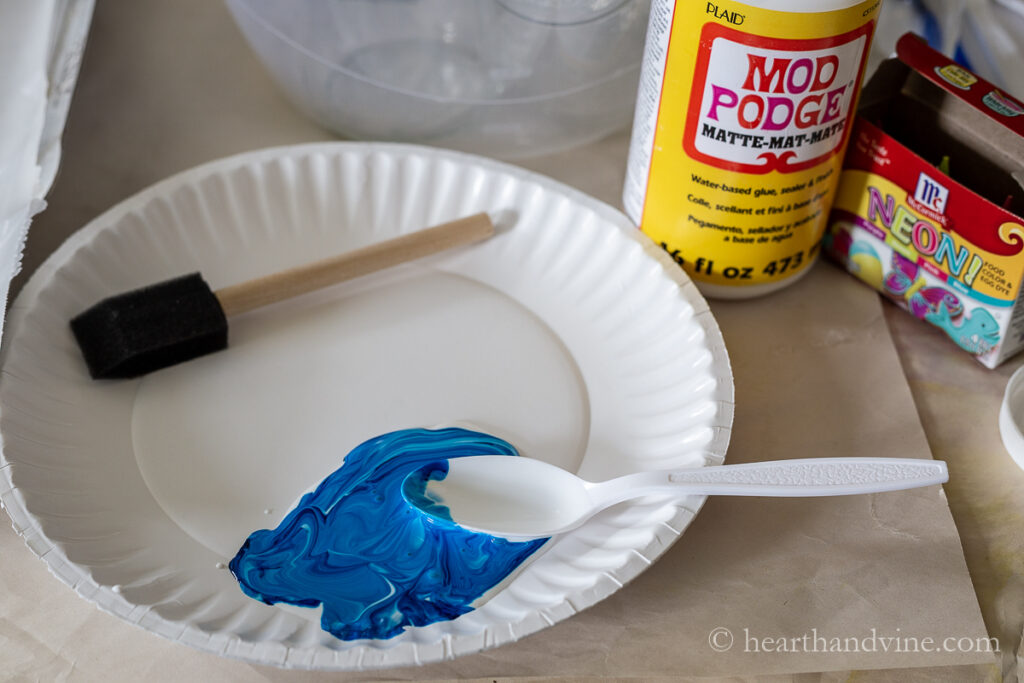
<point>170,322</point>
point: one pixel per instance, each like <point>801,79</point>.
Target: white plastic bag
<point>41,44</point>
<point>986,36</point>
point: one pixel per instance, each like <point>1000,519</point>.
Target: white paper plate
<point>569,334</point>
<point>1011,417</point>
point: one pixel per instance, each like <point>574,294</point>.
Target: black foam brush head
<point>150,328</point>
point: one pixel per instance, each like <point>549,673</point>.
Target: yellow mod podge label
<point>742,118</point>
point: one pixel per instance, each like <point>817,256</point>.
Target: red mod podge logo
<point>764,104</point>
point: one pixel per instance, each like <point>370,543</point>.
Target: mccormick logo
<point>931,194</point>
<point>763,104</point>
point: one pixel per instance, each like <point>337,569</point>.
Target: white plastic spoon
<point>522,498</point>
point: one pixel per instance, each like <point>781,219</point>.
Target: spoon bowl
<point>522,498</point>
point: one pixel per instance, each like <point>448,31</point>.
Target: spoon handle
<point>800,477</point>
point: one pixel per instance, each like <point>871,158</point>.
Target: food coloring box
<point>930,202</point>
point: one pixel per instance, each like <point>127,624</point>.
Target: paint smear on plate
<point>376,563</point>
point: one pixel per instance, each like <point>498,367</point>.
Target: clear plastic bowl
<point>504,78</point>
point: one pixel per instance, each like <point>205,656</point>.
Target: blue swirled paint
<point>374,561</point>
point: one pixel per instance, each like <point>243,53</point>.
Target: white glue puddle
<point>225,438</point>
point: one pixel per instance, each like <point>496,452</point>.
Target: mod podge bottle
<point>743,114</point>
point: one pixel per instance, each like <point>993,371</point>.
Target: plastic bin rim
<point>270,28</point>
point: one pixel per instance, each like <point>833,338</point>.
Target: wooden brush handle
<point>290,283</point>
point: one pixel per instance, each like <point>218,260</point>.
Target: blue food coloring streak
<point>374,561</point>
